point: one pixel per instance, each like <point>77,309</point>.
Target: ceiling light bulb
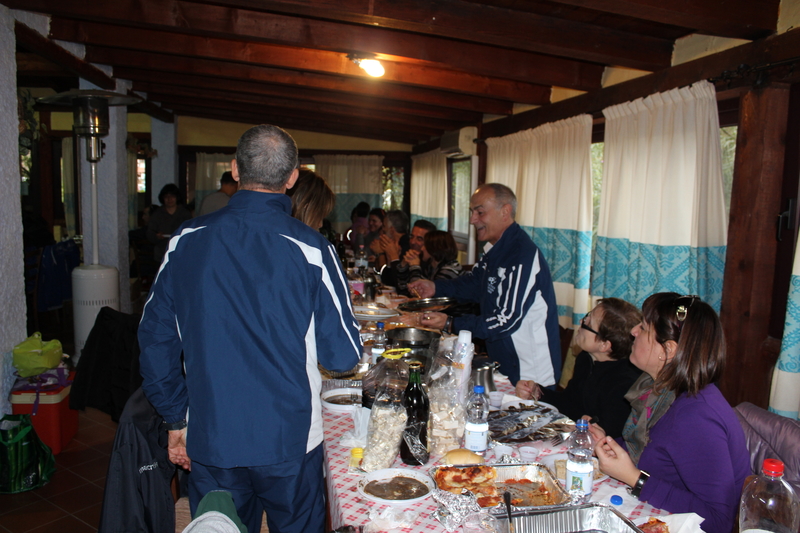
<point>372,67</point>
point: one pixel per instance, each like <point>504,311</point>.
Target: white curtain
<point>354,179</point>
<point>549,169</point>
<point>133,191</point>
<point>785,396</point>
<point>662,220</point>
<point>208,171</point>
<point>68,185</point>
<point>429,188</point>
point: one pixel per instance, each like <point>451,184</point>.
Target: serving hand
<point>615,461</point>
<point>433,320</point>
<point>176,449</point>
<point>424,287</point>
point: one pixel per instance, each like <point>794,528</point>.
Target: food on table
<point>525,423</point>
<point>526,492</point>
<point>396,488</point>
<point>345,399</point>
<point>461,456</point>
<point>477,479</point>
<point>561,468</point>
<point>654,525</point>
<point>386,426</point>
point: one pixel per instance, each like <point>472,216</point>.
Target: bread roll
<point>461,456</point>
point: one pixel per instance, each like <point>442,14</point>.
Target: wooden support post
<point>752,246</point>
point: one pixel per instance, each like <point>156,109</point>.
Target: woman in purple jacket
<point>683,450</point>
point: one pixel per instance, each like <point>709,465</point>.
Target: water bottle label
<point>580,477</point>
<point>476,440</point>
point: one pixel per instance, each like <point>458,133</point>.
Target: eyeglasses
<point>584,326</point>
<point>683,304</point>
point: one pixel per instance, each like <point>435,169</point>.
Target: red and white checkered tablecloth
<point>347,507</point>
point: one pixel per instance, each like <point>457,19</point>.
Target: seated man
<point>436,261</point>
<point>398,258</point>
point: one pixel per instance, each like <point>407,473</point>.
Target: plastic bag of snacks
<point>445,396</point>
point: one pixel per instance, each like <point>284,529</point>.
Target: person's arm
<point>612,409</point>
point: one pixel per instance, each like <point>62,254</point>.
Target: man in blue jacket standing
<point>512,284</point>
<point>254,299</point>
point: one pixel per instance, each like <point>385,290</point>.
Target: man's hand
<point>411,258</point>
<point>176,448</point>
<point>433,320</point>
<point>390,248</point>
<point>424,287</point>
<point>527,389</point>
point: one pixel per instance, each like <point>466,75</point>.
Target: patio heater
<point>93,285</point>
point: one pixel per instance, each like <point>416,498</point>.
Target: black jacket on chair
<point>137,495</point>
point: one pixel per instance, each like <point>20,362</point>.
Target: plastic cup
<point>496,399</point>
<point>528,454</point>
<point>501,449</point>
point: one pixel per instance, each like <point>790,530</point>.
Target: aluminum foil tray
<point>330,384</point>
<point>532,471</point>
<point>590,517</point>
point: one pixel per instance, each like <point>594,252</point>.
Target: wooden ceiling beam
<point>741,19</point>
<point>149,108</point>
<point>484,24</point>
<point>293,58</point>
<point>152,80</point>
<point>230,22</point>
<point>771,50</point>
<point>236,72</point>
<point>181,102</point>
<point>299,124</point>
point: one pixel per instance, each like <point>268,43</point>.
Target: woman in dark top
<point>603,373</point>
<point>165,220</point>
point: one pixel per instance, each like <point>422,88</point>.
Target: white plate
<point>389,473</point>
<point>362,312</point>
<point>337,408</point>
<point>529,403</point>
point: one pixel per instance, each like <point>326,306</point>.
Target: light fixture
<point>370,65</point>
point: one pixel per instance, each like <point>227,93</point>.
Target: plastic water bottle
<point>768,502</point>
<point>361,261</point>
<point>476,429</point>
<point>580,469</point>
<point>378,343</point>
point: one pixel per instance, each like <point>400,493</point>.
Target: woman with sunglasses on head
<point>683,450</point>
<point>603,373</point>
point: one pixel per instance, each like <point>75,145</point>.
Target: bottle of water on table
<point>768,502</point>
<point>580,469</point>
<point>476,429</point>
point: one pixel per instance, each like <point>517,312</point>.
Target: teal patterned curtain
<point>785,396</point>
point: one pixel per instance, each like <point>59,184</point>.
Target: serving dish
<point>518,424</point>
<point>364,312</point>
<point>427,304</point>
<point>594,517</point>
<point>390,473</point>
<point>343,393</point>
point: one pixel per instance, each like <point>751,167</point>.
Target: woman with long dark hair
<point>683,450</point>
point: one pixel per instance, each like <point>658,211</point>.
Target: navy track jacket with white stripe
<point>519,317</point>
<point>255,299</point>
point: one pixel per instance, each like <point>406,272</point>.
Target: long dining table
<point>348,507</point>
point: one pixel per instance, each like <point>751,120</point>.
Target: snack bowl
<point>353,393</point>
<point>387,475</point>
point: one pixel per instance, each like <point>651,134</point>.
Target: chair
<point>771,436</point>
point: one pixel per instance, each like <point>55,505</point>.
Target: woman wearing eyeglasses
<point>683,449</point>
<point>603,373</point>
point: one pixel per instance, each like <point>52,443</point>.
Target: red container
<point>54,422</point>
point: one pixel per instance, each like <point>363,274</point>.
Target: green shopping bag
<point>32,356</point>
<point>26,462</point>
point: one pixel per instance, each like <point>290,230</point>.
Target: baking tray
<point>427,304</point>
<point>536,472</point>
<point>590,517</point>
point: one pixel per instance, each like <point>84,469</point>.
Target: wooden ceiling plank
<point>35,42</point>
<point>741,19</point>
<point>471,22</point>
<point>174,102</point>
<point>230,22</point>
<point>293,58</point>
<point>149,108</point>
<point>235,72</point>
<point>155,79</point>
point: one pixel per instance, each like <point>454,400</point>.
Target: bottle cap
<point>380,325</point>
<point>581,424</point>
<point>616,499</point>
<point>357,453</point>
<point>478,389</point>
<point>772,467</point>
<point>396,353</point>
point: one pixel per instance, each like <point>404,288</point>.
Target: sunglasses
<point>587,328</point>
<point>683,304</point>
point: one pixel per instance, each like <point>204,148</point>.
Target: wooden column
<point>752,246</point>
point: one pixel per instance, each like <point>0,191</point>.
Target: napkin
<point>357,437</point>
<point>390,519</point>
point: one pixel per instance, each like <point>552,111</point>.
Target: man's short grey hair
<point>398,220</point>
<point>504,195</point>
<point>266,156</point>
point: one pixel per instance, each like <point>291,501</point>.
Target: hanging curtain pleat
<point>785,395</point>
<point>133,190</point>
<point>68,185</point>
<point>429,188</point>
<point>549,169</point>
<point>354,179</point>
<point>662,220</point>
<point>208,171</point>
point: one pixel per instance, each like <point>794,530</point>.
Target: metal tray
<point>427,304</point>
<point>532,471</point>
<point>590,517</point>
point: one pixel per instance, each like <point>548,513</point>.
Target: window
<point>393,181</point>
<point>459,192</point>
<point>727,139</point>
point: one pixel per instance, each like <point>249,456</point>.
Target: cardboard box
<point>54,422</point>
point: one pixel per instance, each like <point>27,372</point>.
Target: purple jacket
<point>698,460</point>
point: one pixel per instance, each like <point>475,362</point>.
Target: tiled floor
<point>71,501</point>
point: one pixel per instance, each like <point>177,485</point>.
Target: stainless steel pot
<point>483,374</point>
<point>423,344</point>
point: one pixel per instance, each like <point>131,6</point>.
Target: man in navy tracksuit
<point>254,299</point>
<point>512,284</point>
